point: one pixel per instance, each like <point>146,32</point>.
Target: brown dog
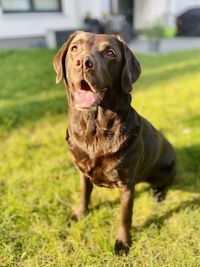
<point>112,145</point>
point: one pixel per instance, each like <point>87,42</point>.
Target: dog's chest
<point>102,171</point>
<point>97,160</point>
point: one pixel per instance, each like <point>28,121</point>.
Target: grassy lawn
<point>39,185</point>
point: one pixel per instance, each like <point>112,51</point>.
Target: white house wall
<point>176,7</point>
<point>148,13</point>
<point>93,7</point>
<point>179,6</point>
<point>37,24</point>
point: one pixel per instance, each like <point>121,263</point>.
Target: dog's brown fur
<point>112,145</point>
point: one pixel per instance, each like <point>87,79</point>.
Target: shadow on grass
<point>167,59</point>
<point>15,116</point>
<point>188,174</point>
<point>153,78</point>
<point>187,179</point>
<point>160,220</point>
<point>26,73</point>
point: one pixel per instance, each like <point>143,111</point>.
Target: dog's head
<point>91,64</point>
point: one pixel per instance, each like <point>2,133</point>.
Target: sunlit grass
<point>39,185</point>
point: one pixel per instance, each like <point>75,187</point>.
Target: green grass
<point>39,185</point>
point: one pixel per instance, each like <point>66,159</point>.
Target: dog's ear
<point>59,59</point>
<point>131,69</point>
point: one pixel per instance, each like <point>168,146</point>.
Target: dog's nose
<point>78,63</point>
<point>88,63</point>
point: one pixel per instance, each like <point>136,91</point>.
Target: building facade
<point>30,20</point>
<point>26,23</point>
<point>148,13</point>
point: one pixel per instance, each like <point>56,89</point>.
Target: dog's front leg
<point>86,191</point>
<point>124,238</point>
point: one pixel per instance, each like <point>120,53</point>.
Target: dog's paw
<point>159,195</point>
<point>75,217</point>
<point>121,248</point>
<point>78,214</point>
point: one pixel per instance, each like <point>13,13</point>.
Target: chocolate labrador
<point>112,145</point>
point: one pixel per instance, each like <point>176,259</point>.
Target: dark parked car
<point>188,23</point>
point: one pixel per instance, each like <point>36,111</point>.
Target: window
<point>14,6</point>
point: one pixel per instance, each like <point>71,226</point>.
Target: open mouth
<point>85,97</point>
<point>85,86</point>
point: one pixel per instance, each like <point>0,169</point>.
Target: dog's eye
<point>110,53</point>
<point>74,48</point>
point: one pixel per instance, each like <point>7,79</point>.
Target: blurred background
<point>153,25</point>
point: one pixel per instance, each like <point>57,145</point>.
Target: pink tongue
<point>85,99</point>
